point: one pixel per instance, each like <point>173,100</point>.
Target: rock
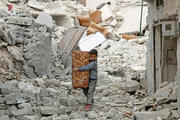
<point>35,5</point>
<point>164,114</point>
<point>28,117</point>
<point>12,98</point>
<point>4,117</point>
<point>48,118</point>
<point>47,110</point>
<point>4,13</point>
<point>130,86</point>
<point>20,20</point>
<point>25,109</point>
<point>71,101</point>
<point>162,94</point>
<point>175,114</point>
<point>16,52</point>
<point>14,1</point>
<point>112,113</point>
<point>45,19</point>
<point>113,23</point>
<point>39,54</point>
<point>29,71</point>
<point>92,115</point>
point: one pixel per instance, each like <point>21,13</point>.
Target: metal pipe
<point>140,31</point>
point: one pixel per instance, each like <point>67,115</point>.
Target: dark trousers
<point>88,92</point>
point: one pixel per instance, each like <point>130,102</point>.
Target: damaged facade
<point>163,56</point>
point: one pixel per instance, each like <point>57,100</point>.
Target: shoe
<point>92,101</point>
<point>88,107</point>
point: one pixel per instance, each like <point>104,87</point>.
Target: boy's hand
<point>76,69</point>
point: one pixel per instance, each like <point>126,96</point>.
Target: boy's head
<point>109,3</point>
<point>93,55</point>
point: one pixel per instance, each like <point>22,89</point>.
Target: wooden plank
<point>72,44</point>
<point>80,79</point>
<point>66,40</point>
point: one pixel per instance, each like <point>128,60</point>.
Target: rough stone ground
<point>34,85</point>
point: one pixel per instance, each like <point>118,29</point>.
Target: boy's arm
<point>86,67</point>
<point>89,66</point>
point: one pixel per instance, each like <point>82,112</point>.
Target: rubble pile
<point>122,58</point>
<point>34,85</point>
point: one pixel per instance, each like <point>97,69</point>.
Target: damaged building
<point>163,56</point>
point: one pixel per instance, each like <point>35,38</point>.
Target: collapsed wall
<point>28,42</point>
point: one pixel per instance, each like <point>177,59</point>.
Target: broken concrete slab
<point>131,19</point>
<point>14,1</point>
<point>25,109</point>
<point>164,114</point>
<point>16,52</point>
<point>45,19</point>
<point>175,114</point>
<point>48,110</point>
<point>130,85</point>
<point>4,117</point>
<point>106,13</point>
<point>162,94</point>
<point>20,20</point>
<point>4,13</point>
<point>91,41</point>
<point>35,5</point>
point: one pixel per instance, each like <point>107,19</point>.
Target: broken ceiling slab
<point>164,114</point>
<point>91,41</point>
<point>131,21</point>
<point>36,5</point>
<point>20,20</point>
<point>13,1</point>
<point>72,40</point>
<point>55,9</point>
<point>45,19</point>
<point>106,13</point>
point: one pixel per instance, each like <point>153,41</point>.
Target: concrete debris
<point>20,21</point>
<point>36,85</point>
<point>90,42</point>
<point>106,13</point>
<point>164,114</point>
<point>45,19</point>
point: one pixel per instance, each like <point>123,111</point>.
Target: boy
<point>88,92</point>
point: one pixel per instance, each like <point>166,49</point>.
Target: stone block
<point>20,20</point>
<point>25,109</point>
<point>35,5</point>
<point>4,13</point>
<point>28,117</point>
<point>48,118</point>
<point>44,93</point>
<point>3,107</point>
<point>92,115</point>
<point>39,54</point>
<point>175,114</point>
<point>4,117</point>
<point>29,71</point>
<point>14,1</point>
<point>48,110</point>
<point>16,53</point>
<point>4,112</point>
<point>130,86</point>
<point>45,19</point>
<point>164,114</point>
<point>71,101</point>
<point>12,97</point>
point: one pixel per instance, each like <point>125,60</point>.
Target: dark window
<point>168,27</point>
<point>159,3</point>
